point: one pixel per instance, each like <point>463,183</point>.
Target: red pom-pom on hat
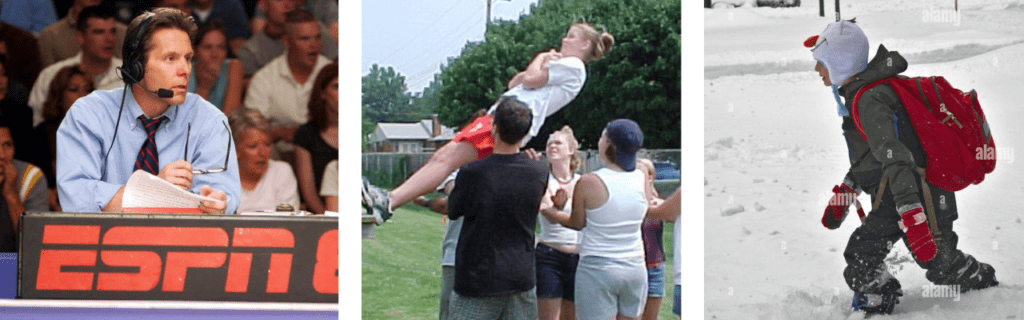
<point>810,42</point>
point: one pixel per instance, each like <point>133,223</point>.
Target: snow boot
<point>876,303</point>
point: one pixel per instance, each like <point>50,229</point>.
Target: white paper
<point>145,190</point>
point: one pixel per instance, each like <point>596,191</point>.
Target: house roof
<point>411,131</point>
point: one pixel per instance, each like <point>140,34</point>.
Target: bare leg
<point>548,308</point>
<point>444,161</point>
<point>652,308</point>
<point>568,310</point>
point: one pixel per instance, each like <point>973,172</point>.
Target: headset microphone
<point>160,92</point>
<point>163,93</point>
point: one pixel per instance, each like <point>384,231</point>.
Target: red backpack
<point>949,123</point>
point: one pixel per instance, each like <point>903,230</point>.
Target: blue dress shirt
<point>87,180</point>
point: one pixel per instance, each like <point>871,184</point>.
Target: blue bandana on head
<point>840,107</point>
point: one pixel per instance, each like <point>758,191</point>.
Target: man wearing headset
<point>153,125</point>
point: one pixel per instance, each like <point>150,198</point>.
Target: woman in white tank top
<point>609,206</point>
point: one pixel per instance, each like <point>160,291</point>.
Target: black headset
<point>132,70</point>
<point>132,67</point>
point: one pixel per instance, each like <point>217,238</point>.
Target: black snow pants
<point>871,242</point>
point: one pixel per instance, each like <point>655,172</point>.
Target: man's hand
<point>560,198</point>
<point>207,74</point>
<point>217,207</point>
<point>178,173</point>
<point>532,154</point>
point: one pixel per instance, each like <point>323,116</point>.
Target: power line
<point>423,30</point>
<point>436,50</point>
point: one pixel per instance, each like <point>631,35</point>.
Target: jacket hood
<point>885,64</point>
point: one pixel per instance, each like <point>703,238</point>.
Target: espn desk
<point>175,266</point>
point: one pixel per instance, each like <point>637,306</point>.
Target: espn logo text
<point>66,269</point>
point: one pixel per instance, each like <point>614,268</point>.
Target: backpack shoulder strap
<point>855,111</point>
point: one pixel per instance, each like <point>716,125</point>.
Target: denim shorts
<point>656,281</point>
<point>556,273</point>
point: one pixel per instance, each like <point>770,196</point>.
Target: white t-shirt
<point>553,232</point>
<point>329,185</point>
<point>277,186</point>
<point>565,80</point>
<point>275,93</point>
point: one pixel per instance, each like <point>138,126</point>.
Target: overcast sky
<point>416,36</point>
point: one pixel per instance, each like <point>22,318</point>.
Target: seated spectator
<point>326,12</point>
<point>281,88</point>
<point>266,183</point>
<point>329,189</point>
<point>317,141</point>
<point>231,13</point>
<point>18,114</point>
<point>69,84</point>
<point>267,45</point>
<point>29,15</point>
<point>22,51</point>
<point>214,77</point>
<point>96,34</point>
<point>22,188</point>
<point>58,41</point>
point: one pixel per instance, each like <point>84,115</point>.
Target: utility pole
<point>487,24</point>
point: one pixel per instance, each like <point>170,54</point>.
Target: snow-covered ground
<point>773,146</point>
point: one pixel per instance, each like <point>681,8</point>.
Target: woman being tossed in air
<point>549,83</point>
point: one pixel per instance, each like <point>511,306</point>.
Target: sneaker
<point>876,303</point>
<point>377,202</point>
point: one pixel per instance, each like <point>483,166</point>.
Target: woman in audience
<point>329,188</point>
<point>266,183</point>
<point>215,77</point>
<point>69,84</point>
<point>317,141</point>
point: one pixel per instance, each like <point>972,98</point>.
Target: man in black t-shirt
<point>499,197</point>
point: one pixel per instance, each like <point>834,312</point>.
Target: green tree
<point>638,79</point>
<point>425,103</point>
<point>384,97</point>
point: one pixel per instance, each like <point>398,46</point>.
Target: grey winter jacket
<point>892,148</point>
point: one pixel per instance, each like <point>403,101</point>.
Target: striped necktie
<point>147,159</point>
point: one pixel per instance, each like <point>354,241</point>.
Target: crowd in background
<point>269,65</point>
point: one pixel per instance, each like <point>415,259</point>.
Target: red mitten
<point>915,223</point>
<point>835,213</point>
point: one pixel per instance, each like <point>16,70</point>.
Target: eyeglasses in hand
<point>226,156</point>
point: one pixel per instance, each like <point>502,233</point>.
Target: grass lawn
<point>402,270</point>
